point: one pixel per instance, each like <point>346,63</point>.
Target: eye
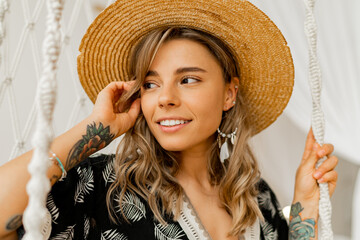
<point>188,80</point>
<point>149,85</point>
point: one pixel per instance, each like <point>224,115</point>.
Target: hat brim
<point>265,62</point>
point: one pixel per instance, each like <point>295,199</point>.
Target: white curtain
<point>339,55</point>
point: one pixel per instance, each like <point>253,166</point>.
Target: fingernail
<point>321,180</point>
<point>317,174</point>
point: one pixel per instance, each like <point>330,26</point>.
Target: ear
<point>231,90</point>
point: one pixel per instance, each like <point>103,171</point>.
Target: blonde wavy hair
<point>143,167</point>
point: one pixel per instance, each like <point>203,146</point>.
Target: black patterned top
<point>78,209</point>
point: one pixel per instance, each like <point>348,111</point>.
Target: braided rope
<point>38,186</point>
<point>317,119</point>
<point>4,6</point>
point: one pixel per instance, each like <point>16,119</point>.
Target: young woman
<point>184,168</point>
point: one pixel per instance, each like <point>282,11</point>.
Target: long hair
<point>143,167</point>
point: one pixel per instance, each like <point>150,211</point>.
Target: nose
<point>169,97</point>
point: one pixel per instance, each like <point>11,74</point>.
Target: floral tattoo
<point>14,223</point>
<point>302,229</point>
<point>95,139</point>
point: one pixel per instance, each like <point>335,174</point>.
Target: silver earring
<point>224,148</point>
<point>234,102</point>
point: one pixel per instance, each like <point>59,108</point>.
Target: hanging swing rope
<point>317,119</point>
<point>36,214</point>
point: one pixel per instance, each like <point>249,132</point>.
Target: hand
<point>307,177</point>
<point>109,110</point>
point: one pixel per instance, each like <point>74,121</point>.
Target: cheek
<point>209,107</point>
<point>147,107</point>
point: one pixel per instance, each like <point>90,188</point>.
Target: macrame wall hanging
<point>317,118</point>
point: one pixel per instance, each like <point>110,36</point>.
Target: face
<point>184,95</point>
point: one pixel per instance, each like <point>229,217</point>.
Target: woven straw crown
<point>265,62</point>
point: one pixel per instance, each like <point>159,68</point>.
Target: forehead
<point>185,52</point>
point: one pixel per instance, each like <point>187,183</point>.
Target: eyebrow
<point>178,71</point>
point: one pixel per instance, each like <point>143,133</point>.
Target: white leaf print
<point>86,226</point>
<point>68,234</point>
<point>50,204</point>
<point>264,199</point>
<point>85,184</point>
<point>108,173</point>
<point>132,207</point>
<point>112,235</point>
<point>168,232</point>
<point>269,232</point>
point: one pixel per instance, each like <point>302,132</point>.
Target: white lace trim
<point>190,222</point>
<point>192,226</point>
<point>46,227</point>
<point>253,232</point>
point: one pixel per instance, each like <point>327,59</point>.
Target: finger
<point>329,177</point>
<point>127,120</point>
<point>325,149</point>
<point>112,90</point>
<point>327,166</point>
<point>128,85</point>
<point>310,140</point>
<point>134,109</point>
<point>118,89</point>
<point>310,161</point>
<point>114,86</point>
<point>332,186</point>
<point>131,83</point>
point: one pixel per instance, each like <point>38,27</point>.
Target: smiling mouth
<point>172,123</point>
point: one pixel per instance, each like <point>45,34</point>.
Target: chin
<point>172,148</point>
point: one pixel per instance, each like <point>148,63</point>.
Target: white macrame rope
<point>317,119</point>
<point>4,6</point>
<point>39,186</point>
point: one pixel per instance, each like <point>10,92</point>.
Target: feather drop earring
<point>225,148</point>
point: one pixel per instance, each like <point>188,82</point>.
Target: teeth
<point>170,123</point>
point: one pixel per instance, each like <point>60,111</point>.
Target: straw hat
<point>265,62</point>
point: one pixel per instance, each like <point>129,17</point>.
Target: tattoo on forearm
<point>14,223</point>
<point>95,139</point>
<point>302,229</point>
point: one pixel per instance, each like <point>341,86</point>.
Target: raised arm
<point>304,209</point>
<point>92,134</point>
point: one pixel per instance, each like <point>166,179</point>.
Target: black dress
<point>78,210</point>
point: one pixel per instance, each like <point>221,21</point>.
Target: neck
<point>193,167</point>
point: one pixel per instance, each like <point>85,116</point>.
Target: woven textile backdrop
<point>278,148</point>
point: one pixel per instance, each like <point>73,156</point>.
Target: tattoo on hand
<point>14,223</point>
<point>302,229</point>
<point>94,140</point>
